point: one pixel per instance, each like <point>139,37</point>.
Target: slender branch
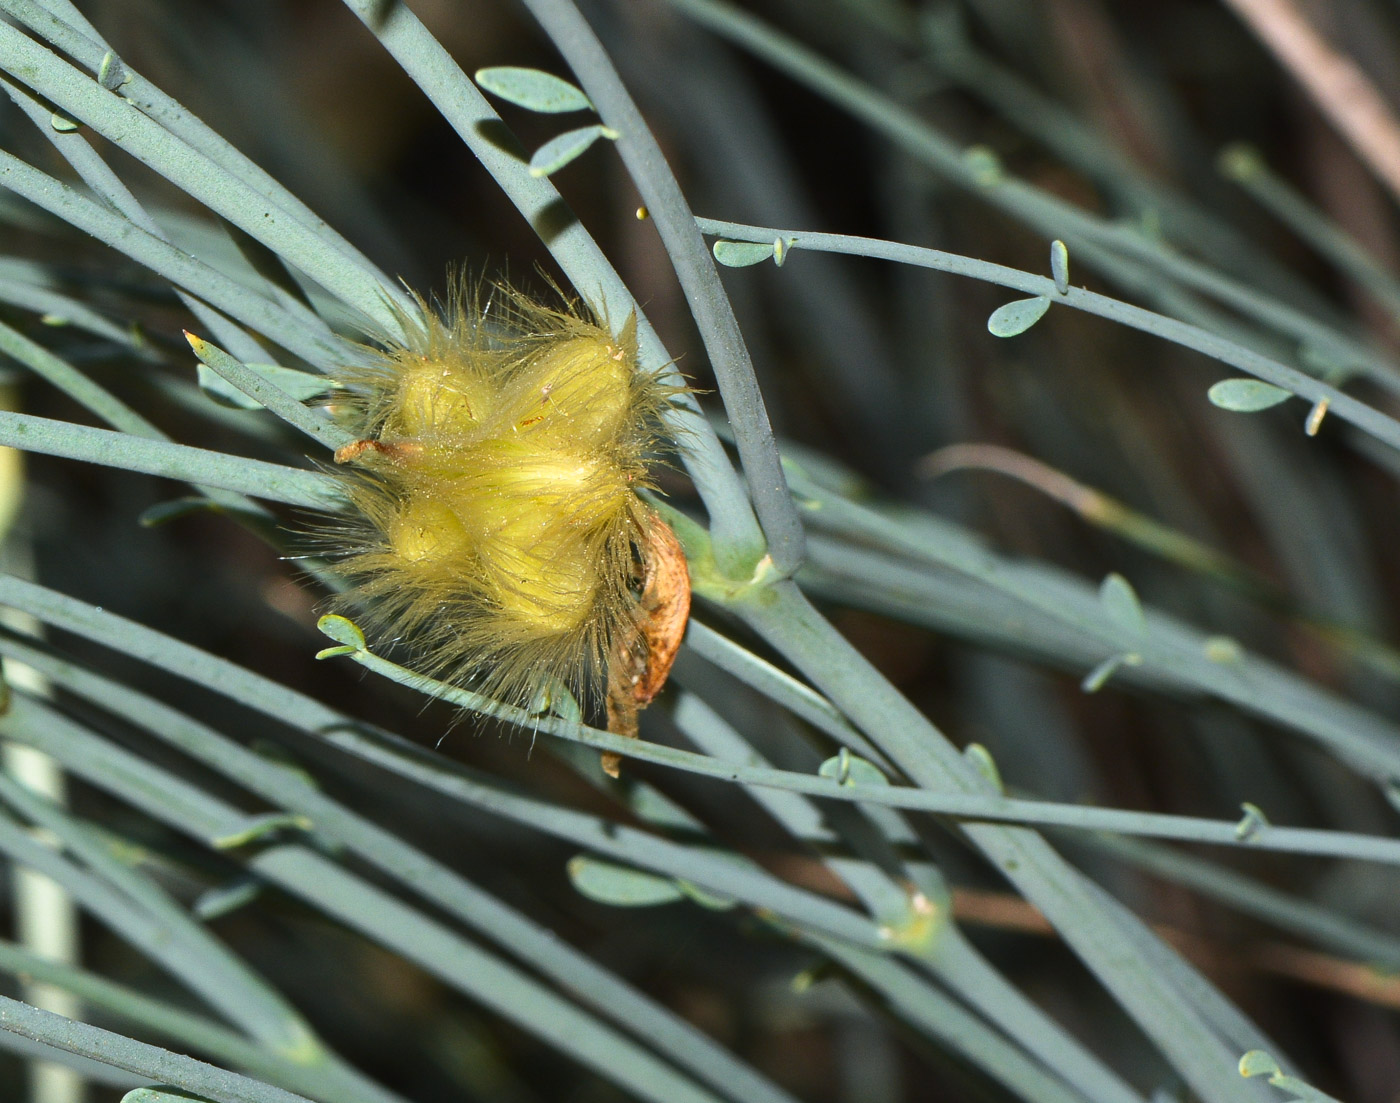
<point>123,124</point>
<point>256,478</point>
<point>179,1024</point>
<point>441,79</point>
<point>604,992</point>
<point>324,884</point>
<point>709,304</point>
<point>1364,417</point>
<point>235,171</point>
<point>107,186</point>
<point>970,806</point>
<point>1103,941</point>
<point>159,1065</point>
<point>184,271</point>
<point>1119,251</point>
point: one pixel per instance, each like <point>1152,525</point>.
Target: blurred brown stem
<point>1008,912</point>
<point>1339,88</point>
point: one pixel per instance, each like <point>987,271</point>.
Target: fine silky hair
<point>497,530</point>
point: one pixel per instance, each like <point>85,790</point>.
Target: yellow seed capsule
<point>434,399</point>
<point>427,532</point>
<point>578,389</point>
<point>555,590</point>
<point>496,480</point>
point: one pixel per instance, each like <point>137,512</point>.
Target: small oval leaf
<point>558,152</point>
<point>621,886</point>
<point>849,769</point>
<point>1258,1063</point>
<point>1223,649</point>
<point>555,699</point>
<point>260,827</point>
<point>1059,265</point>
<point>741,254</point>
<point>1246,396</point>
<point>162,512</point>
<point>1120,602</point>
<point>706,899</point>
<point>533,89</point>
<point>111,73</point>
<point>1251,823</point>
<point>986,765</point>
<point>1017,317</point>
<point>343,630</point>
<point>1096,678</point>
<point>222,899</point>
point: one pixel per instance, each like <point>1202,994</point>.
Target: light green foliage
<point>532,89</point>
<point>567,147</point>
<point>741,254</point>
<point>1246,396</point>
<point>1016,317</point>
<point>796,806</point>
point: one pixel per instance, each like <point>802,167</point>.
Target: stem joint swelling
<point>750,579</point>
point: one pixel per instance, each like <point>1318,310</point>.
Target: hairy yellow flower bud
<point>578,389</point>
<point>433,398</point>
<point>500,533</point>
<point>426,531</point>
